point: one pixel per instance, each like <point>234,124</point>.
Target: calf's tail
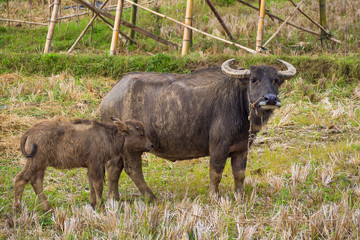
<point>22,146</point>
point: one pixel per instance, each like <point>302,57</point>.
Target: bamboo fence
<point>85,29</point>
<point>283,24</point>
<point>289,23</point>
<point>311,20</point>
<point>21,21</point>
<point>54,15</point>
<point>190,27</point>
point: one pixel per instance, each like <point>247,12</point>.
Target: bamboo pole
<point>217,15</point>
<point>8,11</point>
<point>98,11</point>
<point>116,29</point>
<point>197,30</point>
<point>149,34</point>
<point>260,32</point>
<point>283,24</point>
<point>77,14</point>
<point>50,3</point>
<point>21,21</point>
<point>322,4</point>
<point>30,14</point>
<point>191,33</point>
<point>52,26</point>
<point>92,24</point>
<point>157,27</point>
<point>289,23</point>
<point>43,9</point>
<point>311,20</point>
<point>113,7</point>
<point>186,38</point>
<point>133,20</point>
<point>59,15</point>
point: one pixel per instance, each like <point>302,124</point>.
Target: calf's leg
<point>92,198</point>
<point>96,181</point>
<point>21,179</point>
<point>238,165</point>
<point>37,183</point>
<point>133,167</point>
<point>114,168</point>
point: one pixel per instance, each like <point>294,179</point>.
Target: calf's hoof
<point>47,209</point>
<point>114,196</point>
<point>17,206</point>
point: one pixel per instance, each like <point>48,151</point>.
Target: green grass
<point>327,68</point>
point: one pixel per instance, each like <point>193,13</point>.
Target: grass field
<point>302,178</point>
<point>303,174</point>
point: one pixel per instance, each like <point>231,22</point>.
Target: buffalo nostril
<point>270,99</point>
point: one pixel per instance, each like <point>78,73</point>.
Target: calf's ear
<point>120,125</point>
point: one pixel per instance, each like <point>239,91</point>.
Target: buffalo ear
<point>120,125</point>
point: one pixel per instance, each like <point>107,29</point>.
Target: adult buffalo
<point>205,113</point>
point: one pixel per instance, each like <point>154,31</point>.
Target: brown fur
<point>82,143</point>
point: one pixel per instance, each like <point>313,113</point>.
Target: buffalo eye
<point>276,81</point>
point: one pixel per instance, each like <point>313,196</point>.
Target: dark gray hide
<point>204,113</point>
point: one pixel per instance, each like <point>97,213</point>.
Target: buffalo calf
<point>82,143</point>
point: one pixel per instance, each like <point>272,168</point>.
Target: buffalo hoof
<point>150,198</point>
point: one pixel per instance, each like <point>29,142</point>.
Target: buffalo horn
<point>230,72</point>
<point>289,73</point>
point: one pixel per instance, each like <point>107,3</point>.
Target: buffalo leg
<point>133,167</point>
<point>92,198</point>
<point>114,168</point>
<point>238,165</point>
<point>37,184</point>
<point>98,185</point>
<point>96,182</point>
<point>21,179</point>
<point>217,164</point>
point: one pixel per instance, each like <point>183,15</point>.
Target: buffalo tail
<point>22,146</point>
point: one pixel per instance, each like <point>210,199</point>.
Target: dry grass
<point>302,179</point>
